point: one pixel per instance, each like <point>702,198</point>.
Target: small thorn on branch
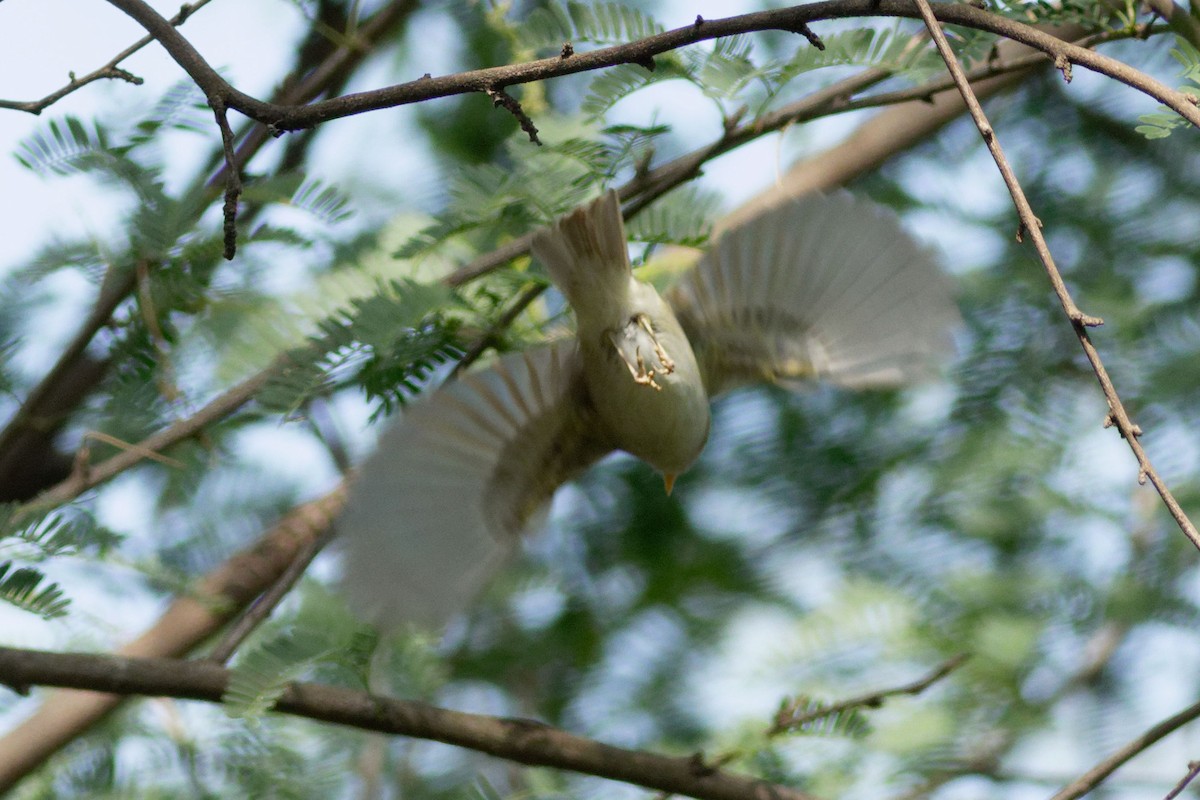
<point>1108,420</point>
<point>699,21</point>
<point>805,31</point>
<point>1022,230</point>
<point>501,98</point>
<point>567,51</point>
<point>1063,65</point>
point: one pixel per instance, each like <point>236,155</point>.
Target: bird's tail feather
<point>586,254</point>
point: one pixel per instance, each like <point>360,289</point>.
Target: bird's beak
<point>669,481</point>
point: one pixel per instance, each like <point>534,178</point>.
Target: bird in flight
<point>824,287</point>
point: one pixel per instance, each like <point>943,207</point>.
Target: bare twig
<point>502,99</point>
<point>1094,776</point>
<point>262,607</point>
<point>488,338</point>
<point>233,178</point>
<point>110,71</point>
<point>1030,225</point>
<point>1193,771</point>
<point>795,715</point>
<point>520,740</point>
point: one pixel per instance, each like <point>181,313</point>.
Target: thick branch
<point>523,741</point>
<point>189,620</point>
<point>643,51</point>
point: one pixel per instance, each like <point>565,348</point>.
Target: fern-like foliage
<point>26,588</point>
<point>386,343</point>
<point>263,673</point>
<point>1160,124</point>
<point>319,640</point>
<point>59,147</point>
<point>597,23</point>
<point>491,203</point>
<point>683,217</point>
<point>32,538</point>
<point>815,718</point>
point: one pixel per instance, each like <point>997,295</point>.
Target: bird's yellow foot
<point>668,364</point>
<point>642,375</point>
<point>634,338</point>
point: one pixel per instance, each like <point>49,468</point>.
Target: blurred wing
<point>453,485</point>
<point>827,287</point>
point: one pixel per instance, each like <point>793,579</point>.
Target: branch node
<point>1087,321</point>
<point>1142,477</point>
<point>805,31</point>
<point>567,51</point>
<point>501,98</point>
<point>1108,421</point>
<point>646,62</point>
<point>1063,65</point>
<point>699,21</point>
<point>699,765</point>
<point>125,75</point>
<point>185,11</point>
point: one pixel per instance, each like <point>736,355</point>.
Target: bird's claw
<point>628,342</point>
<point>668,364</point>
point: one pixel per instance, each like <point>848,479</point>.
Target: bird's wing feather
<point>826,286</point>
<point>453,484</point>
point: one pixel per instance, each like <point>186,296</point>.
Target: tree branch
<point>793,715</point>
<point>189,620</point>
<point>28,461</point>
<point>1030,224</point>
<point>643,51</point>
<point>110,71</point>
<point>1094,776</point>
<point>523,741</point>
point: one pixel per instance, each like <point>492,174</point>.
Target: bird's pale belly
<point>665,425</point>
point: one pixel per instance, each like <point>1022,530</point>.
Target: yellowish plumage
<point>822,287</point>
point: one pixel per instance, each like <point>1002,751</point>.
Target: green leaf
<point>597,23</point>
<point>24,588</point>
<point>59,147</point>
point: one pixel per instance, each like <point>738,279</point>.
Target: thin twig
<point>795,715</point>
<point>488,338</point>
<point>1030,225</point>
<point>1193,771</point>
<point>233,178</point>
<point>261,608</point>
<point>502,99</point>
<point>110,71</point>
<point>217,409</point>
<point>1094,776</point>
<point>520,740</point>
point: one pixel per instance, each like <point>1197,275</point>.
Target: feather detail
<point>456,481</point>
<point>587,257</point>
<point>827,287</point>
